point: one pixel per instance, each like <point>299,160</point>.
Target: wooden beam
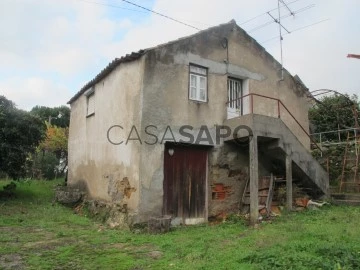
<point>254,180</point>
<point>289,198</point>
<point>270,195</point>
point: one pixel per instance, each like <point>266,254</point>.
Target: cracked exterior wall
<point>153,90</point>
<point>166,102</point>
<point>229,171</point>
<point>228,174</point>
<point>108,172</point>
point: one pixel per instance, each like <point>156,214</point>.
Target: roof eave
<point>106,71</point>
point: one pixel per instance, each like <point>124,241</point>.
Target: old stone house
<point>184,127</point>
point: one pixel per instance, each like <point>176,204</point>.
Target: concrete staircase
<point>278,136</point>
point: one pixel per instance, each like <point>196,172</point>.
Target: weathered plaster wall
<point>165,102</point>
<point>108,172</point>
<point>154,91</point>
<point>244,51</point>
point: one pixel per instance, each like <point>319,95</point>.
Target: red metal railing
<point>279,105</point>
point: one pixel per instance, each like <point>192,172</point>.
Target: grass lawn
<point>34,234</point>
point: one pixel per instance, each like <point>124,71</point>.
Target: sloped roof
<point>131,57</point>
<point>136,55</point>
<point>110,67</point>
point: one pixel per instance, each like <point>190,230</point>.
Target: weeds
<point>35,234</point>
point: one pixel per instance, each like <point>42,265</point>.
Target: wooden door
<point>185,182</point>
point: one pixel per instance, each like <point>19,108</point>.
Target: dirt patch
<point>142,250</point>
<point>155,254</point>
<point>137,251</point>
<point>46,245</point>
<point>11,261</point>
<point>116,246</point>
<point>18,229</point>
<point>242,235</point>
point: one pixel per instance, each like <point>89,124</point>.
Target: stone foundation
<point>68,195</point>
<point>112,214</point>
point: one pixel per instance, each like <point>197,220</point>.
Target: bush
<point>3,175</point>
<point>8,191</point>
<point>44,166</point>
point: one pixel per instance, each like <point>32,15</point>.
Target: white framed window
<point>90,109</point>
<point>198,83</point>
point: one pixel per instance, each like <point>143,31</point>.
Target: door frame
<point>245,101</point>
<point>182,220</point>
<point>238,109</point>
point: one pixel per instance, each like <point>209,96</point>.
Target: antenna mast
<point>278,21</point>
<point>281,39</point>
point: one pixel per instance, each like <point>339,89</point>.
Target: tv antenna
<point>278,21</point>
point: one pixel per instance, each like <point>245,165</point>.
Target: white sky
<point>50,48</point>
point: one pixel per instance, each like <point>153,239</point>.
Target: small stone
<point>67,195</point>
<point>159,224</point>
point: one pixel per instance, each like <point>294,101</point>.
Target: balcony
<point>240,109</point>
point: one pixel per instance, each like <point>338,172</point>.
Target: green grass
<point>35,234</point>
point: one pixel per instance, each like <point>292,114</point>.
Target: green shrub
<point>8,191</point>
<point>44,166</point>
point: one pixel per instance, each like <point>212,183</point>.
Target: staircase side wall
<point>271,127</point>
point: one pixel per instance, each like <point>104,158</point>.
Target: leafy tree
<point>56,140</point>
<point>58,116</point>
<point>20,134</point>
<point>44,165</point>
<point>50,158</point>
<point>333,113</point>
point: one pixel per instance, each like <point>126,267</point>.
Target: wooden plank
<point>184,182</point>
<point>270,195</point>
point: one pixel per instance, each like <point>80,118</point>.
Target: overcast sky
<point>50,48</point>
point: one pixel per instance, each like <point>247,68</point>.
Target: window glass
<point>198,83</point>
